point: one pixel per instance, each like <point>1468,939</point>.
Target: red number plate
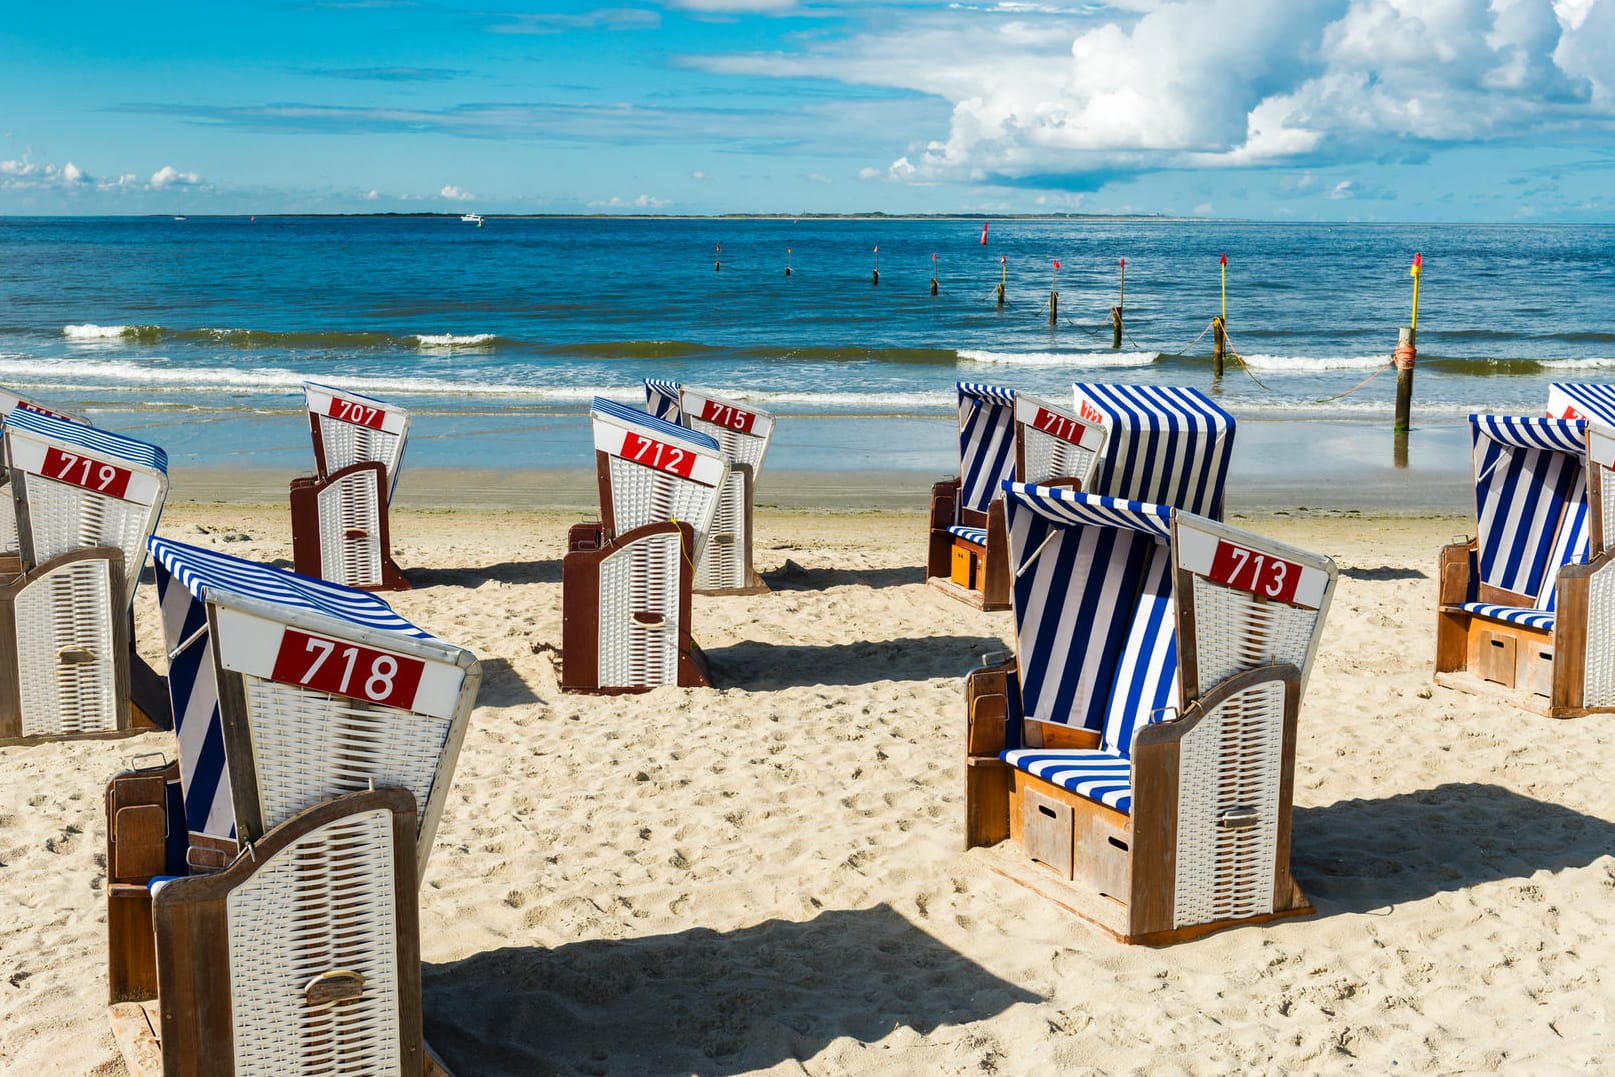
<point>1258,573</point>
<point>358,414</point>
<point>655,454</point>
<point>37,410</point>
<point>1056,425</point>
<point>346,669</point>
<point>727,415</point>
<point>95,475</point>
<point>1091,413</point>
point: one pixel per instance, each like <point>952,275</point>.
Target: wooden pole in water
<point>1003,276</point>
<point>875,280</point>
<point>1054,295</point>
<point>933,273</point>
<point>787,261</point>
<point>1406,351</point>
<point>1116,311</point>
<point>1219,326</point>
<point>717,261</point>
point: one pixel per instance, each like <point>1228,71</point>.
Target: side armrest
<point>987,708</point>
<point>1578,627</point>
<point>1457,574</point>
<point>1166,735</point>
<point>944,514</point>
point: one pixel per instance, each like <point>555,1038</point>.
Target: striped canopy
<point>662,398</point>
<point>1530,501</point>
<point>1168,445</point>
<point>660,428</point>
<point>103,444</point>
<point>986,442</point>
<point>1094,617</point>
<point>1581,401</point>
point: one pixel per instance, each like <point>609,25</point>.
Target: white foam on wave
<point>1073,359</point>
<point>94,332</point>
<point>1579,364</point>
<point>427,341</point>
<point>1307,364</point>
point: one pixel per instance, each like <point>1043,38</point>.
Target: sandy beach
<point>768,876</point>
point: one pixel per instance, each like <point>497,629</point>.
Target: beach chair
<point>289,690</point>
<point>743,434</point>
<point>8,511</point>
<point>1140,749</point>
<point>302,957</point>
<point>626,581</point>
<point>964,558</point>
<point>84,502</point>
<point>1165,445</point>
<point>340,529</point>
<point>1525,607</point>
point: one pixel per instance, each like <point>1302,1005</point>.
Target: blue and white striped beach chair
<point>85,501</point>
<point>1524,605</point>
<point>1595,404</point>
<point>965,556</point>
<point>1141,748</point>
<point>743,433</point>
<point>1167,445</point>
<point>626,581</point>
<point>289,690</point>
<point>340,526</point>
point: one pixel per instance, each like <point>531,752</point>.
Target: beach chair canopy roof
<point>1530,501</point>
<point>662,398</point>
<point>210,575</point>
<point>327,400</point>
<point>9,400</point>
<point>986,442</point>
<point>102,444</point>
<point>1168,445</point>
<point>661,429</point>
<point>1567,400</point>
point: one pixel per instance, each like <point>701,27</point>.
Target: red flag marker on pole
<point>983,233</point>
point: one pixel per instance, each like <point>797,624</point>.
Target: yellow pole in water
<point>1219,326</point>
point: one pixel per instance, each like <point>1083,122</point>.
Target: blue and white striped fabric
<point>103,443</point>
<point>1528,616</point>
<point>1100,776</point>
<point>978,535</point>
<point>1091,577</point>
<point>662,399</point>
<point>1586,401</point>
<point>986,442</point>
<point>186,576</point>
<point>661,428</point>
<point>1530,501</point>
<point>1168,445</point>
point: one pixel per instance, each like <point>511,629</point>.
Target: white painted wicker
<point>1600,635</point>
<point>1052,458</point>
<point>324,903</point>
<point>1235,630</point>
<point>641,495</point>
<point>66,658</point>
<point>723,564</point>
<point>63,517</point>
<point>1606,491</point>
<point>350,530</point>
<point>1232,760</point>
<point>309,746</point>
<point>640,577</point>
<point>8,519</point>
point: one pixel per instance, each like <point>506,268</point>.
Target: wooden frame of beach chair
<point>300,957</point>
<point>626,581</point>
<point>743,434</point>
<point>340,528</point>
<point>1525,606</point>
<point>84,501</point>
<point>1140,752</point>
<point>288,691</point>
<point>964,557</point>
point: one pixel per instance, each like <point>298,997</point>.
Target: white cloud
<point>699,175</point>
<point>644,201</point>
<point>818,177</point>
<point>455,194</point>
<point>169,176</point>
<point>371,195</point>
<point>733,6</point>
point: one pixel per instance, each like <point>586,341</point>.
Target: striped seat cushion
<point>978,535</point>
<point>1514,615</point>
<point>1101,776</point>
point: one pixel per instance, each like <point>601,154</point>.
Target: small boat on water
<point>472,218</point>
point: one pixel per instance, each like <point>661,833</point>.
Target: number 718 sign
<point>347,669</point>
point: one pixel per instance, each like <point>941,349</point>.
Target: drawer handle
<point>75,656</point>
<point>1239,817</point>
<point>649,618</point>
<point>328,988</point>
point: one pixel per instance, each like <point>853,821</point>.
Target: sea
<point>197,332</point>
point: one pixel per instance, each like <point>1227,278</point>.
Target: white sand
<point>768,877</point>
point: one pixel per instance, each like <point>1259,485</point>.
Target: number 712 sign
<point>347,669</point>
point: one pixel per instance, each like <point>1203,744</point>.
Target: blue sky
<point>1494,110</point>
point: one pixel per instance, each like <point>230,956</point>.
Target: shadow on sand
<point>793,577</point>
<point>1357,855</point>
<point>701,1001</point>
<point>548,571</point>
<point>759,667</point>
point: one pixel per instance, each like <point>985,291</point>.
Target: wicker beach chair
<point>8,511</point>
<point>340,528</point>
<point>288,691</point>
<point>1526,607</point>
<point>627,580</point>
<point>301,958</point>
<point>743,434</point>
<point>84,502</point>
<point>1165,445</point>
<point>1140,751</point>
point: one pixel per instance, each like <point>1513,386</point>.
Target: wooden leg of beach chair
<point>944,514</point>
<point>1454,572</point>
<point>986,776</point>
<point>995,565</point>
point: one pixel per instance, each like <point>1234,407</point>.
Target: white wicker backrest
<point>1601,464</point>
<point>658,471</point>
<point>742,432</point>
<point>1060,444</point>
<point>356,429</point>
<point>8,510</point>
<point>75,486</point>
<point>67,660</point>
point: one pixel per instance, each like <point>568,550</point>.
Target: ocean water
<point>197,333</point>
